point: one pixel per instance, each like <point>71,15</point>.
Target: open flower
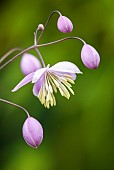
<point>47,80</point>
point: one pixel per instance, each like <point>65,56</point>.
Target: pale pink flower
<point>47,80</point>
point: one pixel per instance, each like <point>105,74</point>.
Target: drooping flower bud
<point>32,132</point>
<point>90,57</point>
<point>29,63</point>
<point>64,24</point>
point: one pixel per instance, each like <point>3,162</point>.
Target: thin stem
<point>47,23</point>
<point>35,36</point>
<point>8,53</point>
<point>38,52</point>
<point>2,100</point>
<point>63,39</point>
<point>41,45</point>
<point>40,56</point>
<point>22,52</point>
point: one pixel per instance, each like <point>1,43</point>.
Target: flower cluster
<point>48,79</point>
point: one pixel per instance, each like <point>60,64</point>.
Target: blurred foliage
<point>79,133</point>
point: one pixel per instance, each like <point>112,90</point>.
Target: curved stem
<point>2,100</point>
<point>41,45</point>
<point>47,23</point>
<point>39,28</point>
<point>63,39</point>
<point>40,56</point>
<point>22,52</point>
<point>8,53</point>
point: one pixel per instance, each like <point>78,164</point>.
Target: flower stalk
<point>47,23</point>
<point>8,53</point>
<point>13,104</point>
<point>41,45</point>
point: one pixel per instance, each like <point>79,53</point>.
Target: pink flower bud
<point>29,63</point>
<point>41,27</point>
<point>32,132</point>
<point>64,24</point>
<point>90,57</point>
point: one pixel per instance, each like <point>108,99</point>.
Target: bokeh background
<point>79,133</point>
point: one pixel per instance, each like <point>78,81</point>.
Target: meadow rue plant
<point>47,79</point>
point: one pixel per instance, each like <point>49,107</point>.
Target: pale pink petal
<point>65,66</point>
<point>37,86</point>
<point>26,80</point>
<point>73,75</point>
<point>38,74</point>
<point>29,63</point>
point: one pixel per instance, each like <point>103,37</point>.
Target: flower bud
<point>64,24</point>
<point>29,63</point>
<point>32,132</point>
<point>41,27</point>
<point>90,57</point>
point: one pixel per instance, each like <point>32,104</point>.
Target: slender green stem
<point>47,23</point>
<point>2,100</point>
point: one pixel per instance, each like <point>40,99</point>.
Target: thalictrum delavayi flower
<point>47,80</point>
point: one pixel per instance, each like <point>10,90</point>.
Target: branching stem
<point>40,45</point>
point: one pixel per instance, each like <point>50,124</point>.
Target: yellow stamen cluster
<point>50,84</point>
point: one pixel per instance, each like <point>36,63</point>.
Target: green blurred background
<point>79,133</point>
